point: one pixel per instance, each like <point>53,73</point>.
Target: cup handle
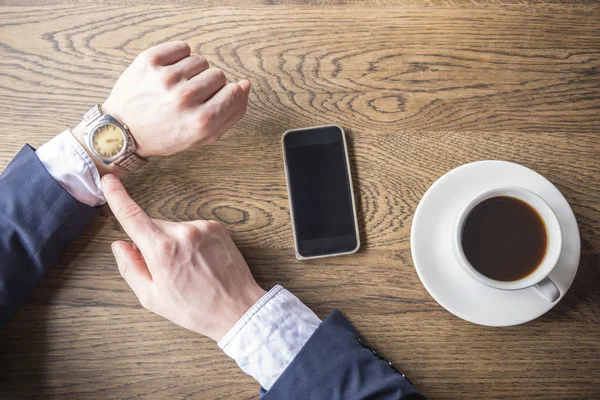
<point>547,289</point>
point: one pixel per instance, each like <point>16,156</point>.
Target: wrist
<point>243,302</point>
<point>79,133</point>
<point>109,108</point>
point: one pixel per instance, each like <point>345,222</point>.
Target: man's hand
<point>172,100</point>
<point>190,272</point>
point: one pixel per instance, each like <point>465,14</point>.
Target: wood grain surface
<point>420,86</point>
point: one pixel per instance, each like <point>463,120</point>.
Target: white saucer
<point>445,280</point>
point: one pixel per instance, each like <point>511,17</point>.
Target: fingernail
<point>115,249</point>
<point>110,178</point>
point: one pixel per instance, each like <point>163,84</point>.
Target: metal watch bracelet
<point>130,162</point>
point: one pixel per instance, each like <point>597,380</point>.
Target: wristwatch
<point>110,141</point>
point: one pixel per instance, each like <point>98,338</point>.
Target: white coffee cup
<point>538,279</point>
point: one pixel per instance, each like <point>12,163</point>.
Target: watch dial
<point>108,140</point>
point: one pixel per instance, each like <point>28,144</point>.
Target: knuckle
<point>185,95</point>
<point>165,246</point>
<point>184,45</point>
<point>218,75</point>
<point>112,188</point>
<point>236,91</point>
<point>204,227</point>
<point>214,226</point>
<point>199,60</point>
<point>206,118</point>
<point>171,77</point>
<point>148,57</point>
<point>201,225</point>
<point>188,231</point>
<point>129,210</point>
<point>203,62</point>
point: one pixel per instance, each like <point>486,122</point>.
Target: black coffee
<point>504,238</point>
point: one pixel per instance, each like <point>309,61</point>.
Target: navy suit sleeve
<point>37,220</point>
<point>337,363</point>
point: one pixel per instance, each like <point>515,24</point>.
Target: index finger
<point>133,219</point>
<point>168,53</point>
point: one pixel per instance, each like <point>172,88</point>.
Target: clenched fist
<point>171,100</point>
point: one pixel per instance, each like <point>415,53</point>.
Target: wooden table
<point>420,86</point>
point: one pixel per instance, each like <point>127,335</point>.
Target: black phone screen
<point>320,191</point>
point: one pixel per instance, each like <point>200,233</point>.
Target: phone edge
<point>287,181</point>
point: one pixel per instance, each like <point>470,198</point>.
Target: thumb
<point>132,267</point>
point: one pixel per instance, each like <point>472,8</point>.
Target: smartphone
<point>320,192</point>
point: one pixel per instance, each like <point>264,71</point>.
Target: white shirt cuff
<point>71,166</point>
<point>271,333</point>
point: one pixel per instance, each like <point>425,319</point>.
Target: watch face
<point>108,140</point>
